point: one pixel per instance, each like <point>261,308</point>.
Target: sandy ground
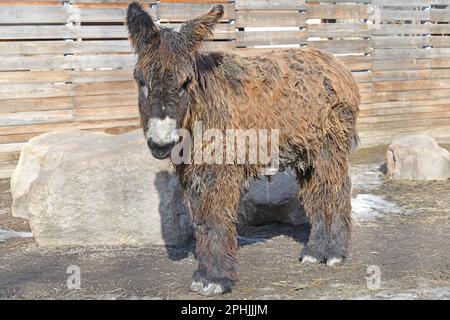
<point>402,230</point>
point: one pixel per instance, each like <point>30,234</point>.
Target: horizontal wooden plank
<point>17,91</point>
<point>404,106</point>
<point>403,112</point>
<point>36,104</point>
<point>404,15</point>
<point>24,137</point>
<point>62,32</point>
<point>35,14</point>
<point>408,85</point>
<point>370,138</point>
<point>440,15</point>
<point>59,62</point>
<point>401,42</point>
<point>395,119</point>
<point>401,64</point>
<point>265,18</point>
<point>400,75</point>
<point>344,11</point>
<point>270,4</point>
<point>72,76</point>
<point>398,29</point>
<point>112,14</point>
<point>58,116</point>
<point>377,97</point>
<point>440,41</point>
<point>356,62</point>
<point>114,1</point>
<point>338,30</point>
<point>342,46</point>
<point>41,128</point>
<point>440,63</point>
<point>23,91</point>
<point>406,3</point>
<point>68,102</point>
<point>64,47</point>
<point>418,123</point>
<point>183,11</point>
<point>32,117</point>
<point>409,53</point>
<point>119,87</point>
<point>255,38</point>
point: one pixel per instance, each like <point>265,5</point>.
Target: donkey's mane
<point>205,66</point>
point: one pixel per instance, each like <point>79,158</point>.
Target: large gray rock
<point>84,188</point>
<point>81,188</point>
<point>272,201</point>
<point>417,157</point>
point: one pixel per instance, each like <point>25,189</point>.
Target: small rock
<point>417,157</point>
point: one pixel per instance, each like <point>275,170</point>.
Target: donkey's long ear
<point>141,28</point>
<point>202,27</point>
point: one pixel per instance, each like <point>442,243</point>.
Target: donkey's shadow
<point>247,234</point>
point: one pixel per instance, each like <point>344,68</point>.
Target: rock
<point>417,157</point>
<point>272,201</point>
<point>82,188</point>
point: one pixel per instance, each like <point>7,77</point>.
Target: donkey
<point>304,93</point>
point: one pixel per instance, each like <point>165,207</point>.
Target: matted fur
<point>305,93</point>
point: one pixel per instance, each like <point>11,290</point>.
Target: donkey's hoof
<point>309,259</point>
<point>196,286</point>
<point>212,289</point>
<point>331,262</point>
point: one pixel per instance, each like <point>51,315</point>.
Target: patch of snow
<point>6,234</point>
<point>367,207</point>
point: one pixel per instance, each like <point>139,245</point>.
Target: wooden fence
<point>68,63</point>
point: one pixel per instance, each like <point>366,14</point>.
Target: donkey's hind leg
<point>325,192</point>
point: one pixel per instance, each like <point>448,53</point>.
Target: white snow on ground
<point>367,207</point>
<point>6,234</point>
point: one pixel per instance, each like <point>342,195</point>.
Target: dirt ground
<point>409,242</point>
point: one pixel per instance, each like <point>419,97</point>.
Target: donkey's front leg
<point>214,213</point>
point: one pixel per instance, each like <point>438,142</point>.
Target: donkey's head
<point>166,72</point>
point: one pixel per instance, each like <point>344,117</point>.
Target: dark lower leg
<point>316,248</point>
<point>216,254</point>
<point>328,205</point>
<point>216,246</point>
<point>340,228</point>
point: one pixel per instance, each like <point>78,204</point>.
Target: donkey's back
<point>304,92</point>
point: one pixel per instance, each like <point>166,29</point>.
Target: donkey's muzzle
<point>160,151</point>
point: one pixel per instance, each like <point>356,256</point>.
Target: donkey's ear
<point>141,28</point>
<point>202,27</point>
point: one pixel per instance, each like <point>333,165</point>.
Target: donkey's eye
<point>185,84</point>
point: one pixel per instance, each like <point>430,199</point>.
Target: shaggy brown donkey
<point>305,93</point>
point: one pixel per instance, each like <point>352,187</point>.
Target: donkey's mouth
<point>160,152</point>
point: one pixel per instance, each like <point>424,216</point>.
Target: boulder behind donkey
<point>304,93</point>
